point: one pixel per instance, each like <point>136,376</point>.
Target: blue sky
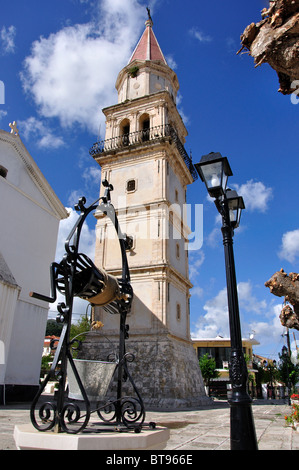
<point>59,64</point>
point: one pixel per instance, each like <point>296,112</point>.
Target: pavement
<point>205,428</point>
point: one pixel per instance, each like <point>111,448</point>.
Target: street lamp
<point>214,171</point>
<point>235,207</point>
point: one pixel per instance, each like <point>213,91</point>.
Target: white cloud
<point>87,238</point>
<point>200,36</point>
<point>2,114</point>
<point>216,321</point>
<point>71,74</point>
<point>231,44</point>
<point>74,196</point>
<point>7,39</point>
<point>171,62</point>
<point>197,291</point>
<point>196,259</point>
<point>256,198</point>
<point>214,238</point>
<point>290,246</point>
<point>179,101</point>
<point>269,332</point>
<point>43,135</point>
<point>92,175</point>
<point>248,302</point>
<point>255,194</point>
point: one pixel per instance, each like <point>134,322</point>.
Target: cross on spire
<point>149,14</point>
<point>14,129</point>
<point>148,47</point>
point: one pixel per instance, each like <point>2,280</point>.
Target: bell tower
<point>144,158</point>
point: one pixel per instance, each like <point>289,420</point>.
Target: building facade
<point>143,157</point>
<point>30,214</point>
<point>219,348</point>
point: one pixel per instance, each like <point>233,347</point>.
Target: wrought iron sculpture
<point>77,276</point>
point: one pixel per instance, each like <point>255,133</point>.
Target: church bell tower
<point>144,158</point>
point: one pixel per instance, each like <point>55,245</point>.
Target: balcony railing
<point>157,133</point>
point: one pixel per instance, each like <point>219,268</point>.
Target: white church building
<point>30,213</point>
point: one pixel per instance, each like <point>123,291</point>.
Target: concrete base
<point>28,438</point>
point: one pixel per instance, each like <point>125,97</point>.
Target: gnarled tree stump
<point>287,286</point>
<point>275,40</point>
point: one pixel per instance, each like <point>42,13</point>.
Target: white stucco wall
<point>28,235</point>
<point>8,301</point>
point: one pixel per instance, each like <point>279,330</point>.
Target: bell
<point>92,284</point>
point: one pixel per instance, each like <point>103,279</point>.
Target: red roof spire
<point>148,47</point>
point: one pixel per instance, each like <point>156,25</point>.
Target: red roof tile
<point>148,47</point>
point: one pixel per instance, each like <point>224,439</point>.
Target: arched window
<point>125,131</point>
<point>144,126</point>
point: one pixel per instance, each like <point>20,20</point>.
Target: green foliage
<point>261,376</point>
<point>133,71</point>
<point>208,369</point>
<point>78,329</point>
<point>45,362</point>
<point>53,328</point>
<point>287,371</point>
<point>82,326</point>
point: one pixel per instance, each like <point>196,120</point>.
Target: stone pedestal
<point>165,370</point>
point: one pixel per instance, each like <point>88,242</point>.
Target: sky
<point>59,64</point>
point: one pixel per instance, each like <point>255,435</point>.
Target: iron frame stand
<point>63,415</point>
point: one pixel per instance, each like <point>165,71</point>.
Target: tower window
<point>131,186</point>
<point>125,132</point>
<point>178,312</point>
<point>144,124</point>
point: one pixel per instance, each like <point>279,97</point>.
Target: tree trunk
<point>275,40</point>
<point>283,285</point>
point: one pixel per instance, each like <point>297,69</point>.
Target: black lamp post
<point>214,171</point>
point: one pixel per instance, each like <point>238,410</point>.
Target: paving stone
<point>207,428</point>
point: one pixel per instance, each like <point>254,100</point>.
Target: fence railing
<point>140,137</point>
